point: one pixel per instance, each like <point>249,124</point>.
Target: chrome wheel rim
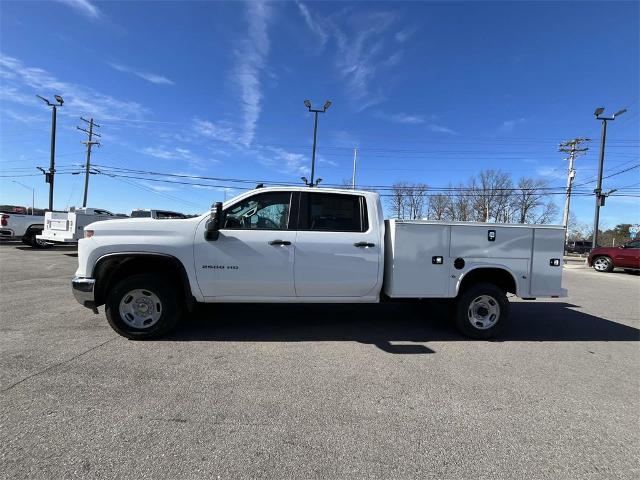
<point>601,264</point>
<point>483,312</point>
<point>140,308</point>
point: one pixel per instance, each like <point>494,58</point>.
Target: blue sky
<point>428,92</point>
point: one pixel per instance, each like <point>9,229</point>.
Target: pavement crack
<point>68,360</point>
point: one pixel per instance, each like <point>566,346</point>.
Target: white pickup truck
<point>311,245</point>
<point>68,227</point>
<point>23,227</point>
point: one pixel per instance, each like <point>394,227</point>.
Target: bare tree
<point>408,200</point>
<point>398,199</point>
<point>490,192</point>
<point>530,201</point>
<point>416,199</point>
<point>439,205</point>
<point>460,206</point>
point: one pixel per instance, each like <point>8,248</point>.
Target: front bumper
<point>83,290</point>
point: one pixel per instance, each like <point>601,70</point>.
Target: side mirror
<point>212,229</point>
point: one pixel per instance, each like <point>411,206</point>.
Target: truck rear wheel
<point>481,311</point>
<point>142,306</point>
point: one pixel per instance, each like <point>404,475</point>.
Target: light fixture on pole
<point>598,190</point>
<point>52,163</point>
<point>307,103</point>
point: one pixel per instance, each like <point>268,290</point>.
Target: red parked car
<point>605,259</point>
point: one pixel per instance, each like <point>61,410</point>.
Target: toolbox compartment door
<point>546,278</point>
<point>473,241</point>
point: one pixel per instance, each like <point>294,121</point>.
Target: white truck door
<point>253,256</point>
<point>337,246</point>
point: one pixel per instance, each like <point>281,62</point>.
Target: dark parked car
<point>578,246</point>
<point>605,259</point>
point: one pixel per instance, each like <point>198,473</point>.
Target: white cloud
<point>181,154</point>
<point>362,50</point>
<point>23,117</point>
<point>168,153</point>
<point>314,25</point>
<point>404,35</point>
<point>284,161</point>
<point>250,61</point>
<point>83,7</point>
<point>509,125</point>
<point>149,77</point>
<point>326,161</point>
<point>79,100</point>
<point>408,118</point>
<point>550,172</point>
<point>440,129</point>
<point>159,188</point>
<point>220,131</point>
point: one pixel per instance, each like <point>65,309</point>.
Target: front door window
<point>265,211</point>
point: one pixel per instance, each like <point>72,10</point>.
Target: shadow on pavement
<point>385,323</point>
<point>64,248</point>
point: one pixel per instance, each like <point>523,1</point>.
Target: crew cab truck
<point>311,245</point>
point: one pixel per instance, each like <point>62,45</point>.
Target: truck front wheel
<point>481,311</point>
<point>142,306</point>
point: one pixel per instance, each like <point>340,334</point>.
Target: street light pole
<point>307,104</point>
<point>52,163</point>
<point>598,190</point>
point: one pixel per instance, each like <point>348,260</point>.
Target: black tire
<point>27,239</point>
<point>35,243</point>
<point>602,264</point>
<point>496,319</point>
<point>170,306</point>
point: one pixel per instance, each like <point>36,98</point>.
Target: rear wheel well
<point>495,276</point>
<point>33,230</point>
<point>112,269</point>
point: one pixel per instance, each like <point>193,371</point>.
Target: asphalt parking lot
<point>374,391</point>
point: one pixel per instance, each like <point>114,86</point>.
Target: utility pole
<point>355,157</point>
<point>89,143</point>
<point>571,147</point>
<point>52,164</point>
<point>600,197</point>
<point>307,104</point>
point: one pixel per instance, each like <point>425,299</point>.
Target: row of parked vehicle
<point>42,229</point>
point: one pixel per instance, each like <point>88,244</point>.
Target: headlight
<point>88,233</point>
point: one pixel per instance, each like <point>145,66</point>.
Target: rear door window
<point>334,213</point>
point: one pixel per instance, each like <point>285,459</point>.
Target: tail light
<point>88,233</point>
<point>4,220</point>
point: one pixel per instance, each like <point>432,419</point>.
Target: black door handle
<point>364,244</point>
<point>279,242</point>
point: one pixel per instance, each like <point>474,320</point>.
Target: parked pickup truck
<point>311,245</point>
<point>157,214</point>
<point>23,227</point>
<point>68,227</point>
